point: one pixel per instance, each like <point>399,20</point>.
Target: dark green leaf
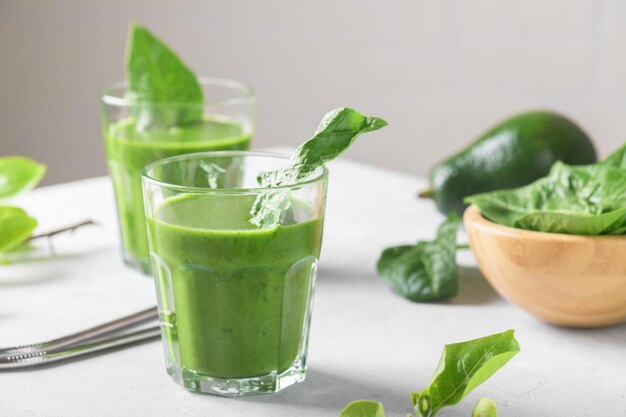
<point>363,408</point>
<point>582,200</point>
<point>335,133</point>
<point>18,174</point>
<point>426,271</point>
<point>485,407</point>
<point>156,75</point>
<point>463,366</point>
<point>15,227</point>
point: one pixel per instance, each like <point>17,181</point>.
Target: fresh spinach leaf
<point>617,159</point>
<point>164,91</point>
<point>581,200</point>
<point>338,129</point>
<point>426,271</point>
<point>16,226</point>
<point>462,367</point>
<point>363,408</point>
<point>336,132</point>
<point>18,174</point>
<point>485,407</point>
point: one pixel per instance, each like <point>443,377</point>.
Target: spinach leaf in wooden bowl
<point>578,200</point>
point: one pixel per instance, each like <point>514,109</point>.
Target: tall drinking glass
<point>132,142</point>
<point>234,299</point>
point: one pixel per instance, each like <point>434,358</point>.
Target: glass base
<point>238,387</point>
<point>143,267</point>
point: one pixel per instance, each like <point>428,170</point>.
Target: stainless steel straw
<point>109,335</point>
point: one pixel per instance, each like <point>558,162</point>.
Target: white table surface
<point>366,342</point>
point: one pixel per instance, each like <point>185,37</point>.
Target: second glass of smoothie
<point>234,299</point>
<point>227,124</point>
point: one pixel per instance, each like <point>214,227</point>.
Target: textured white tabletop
<point>366,342</point>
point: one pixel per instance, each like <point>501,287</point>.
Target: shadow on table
<point>473,288</point>
<point>335,274</point>
<point>614,335</point>
<point>37,267</point>
<point>327,391</point>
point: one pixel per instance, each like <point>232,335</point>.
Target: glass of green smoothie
<point>137,133</point>
<point>234,298</point>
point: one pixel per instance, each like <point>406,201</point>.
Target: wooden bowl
<point>569,280</point>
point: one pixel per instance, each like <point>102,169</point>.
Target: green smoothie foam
<point>129,151</point>
<point>240,294</point>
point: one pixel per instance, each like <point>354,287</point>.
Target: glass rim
<point>247,93</point>
<point>320,174</point>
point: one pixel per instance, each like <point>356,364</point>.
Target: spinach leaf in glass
<point>165,92</point>
<point>581,200</point>
<point>19,174</point>
<point>426,271</point>
<point>336,132</point>
<point>462,367</point>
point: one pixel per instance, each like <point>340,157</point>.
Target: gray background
<point>440,71</point>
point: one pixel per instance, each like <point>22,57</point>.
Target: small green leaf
<point>363,408</point>
<point>463,366</point>
<point>157,75</point>
<point>415,396</point>
<point>15,227</point>
<point>336,132</point>
<point>426,271</point>
<point>485,407</point>
<point>19,174</point>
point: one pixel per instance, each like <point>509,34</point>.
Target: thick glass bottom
<point>143,266</point>
<point>237,387</point>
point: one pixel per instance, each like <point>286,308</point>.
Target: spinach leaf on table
<point>363,408</point>
<point>338,129</point>
<point>426,271</point>
<point>462,367</point>
<point>16,226</point>
<point>157,78</point>
<point>19,174</point>
<point>581,200</point>
<point>485,407</point>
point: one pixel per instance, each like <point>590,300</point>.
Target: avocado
<point>513,153</point>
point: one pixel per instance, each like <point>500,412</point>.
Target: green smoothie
<point>129,151</point>
<point>240,302</point>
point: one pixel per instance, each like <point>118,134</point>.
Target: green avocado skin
<point>516,152</point>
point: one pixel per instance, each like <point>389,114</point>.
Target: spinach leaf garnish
<point>157,77</point>
<point>580,200</point>
<point>462,367</point>
<point>336,132</point>
<point>426,271</point>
